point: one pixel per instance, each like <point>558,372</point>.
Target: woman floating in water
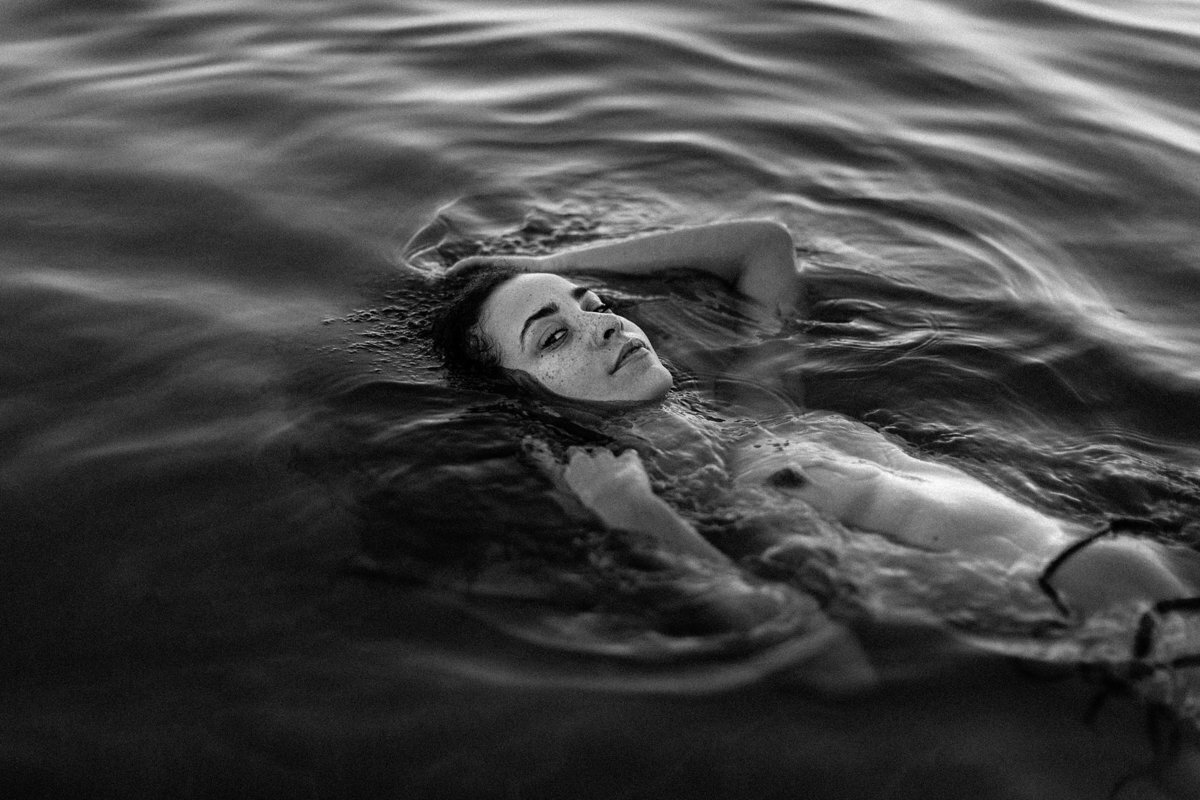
<point>519,319</point>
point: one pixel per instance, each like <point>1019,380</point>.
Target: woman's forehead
<point>528,293</point>
<point>545,285</point>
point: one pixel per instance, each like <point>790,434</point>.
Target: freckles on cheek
<point>548,374</point>
<point>558,373</point>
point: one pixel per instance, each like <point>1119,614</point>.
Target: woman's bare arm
<point>756,257</point>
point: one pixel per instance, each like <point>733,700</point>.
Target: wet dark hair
<point>456,335</point>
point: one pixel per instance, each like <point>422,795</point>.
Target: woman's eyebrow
<point>550,308</point>
<point>544,311</point>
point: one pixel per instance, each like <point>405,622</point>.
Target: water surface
<point>212,344</point>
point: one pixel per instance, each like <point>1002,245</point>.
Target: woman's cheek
<point>555,374</point>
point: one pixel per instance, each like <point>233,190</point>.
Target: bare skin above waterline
<point>852,474</point>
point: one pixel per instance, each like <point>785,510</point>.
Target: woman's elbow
<point>769,273</point>
<point>778,234</point>
<point>766,236</point>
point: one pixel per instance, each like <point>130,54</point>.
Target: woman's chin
<point>654,384</point>
<point>640,394</point>
<point>649,385</point>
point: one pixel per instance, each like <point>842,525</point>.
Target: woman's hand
<point>592,475</point>
<point>617,490</point>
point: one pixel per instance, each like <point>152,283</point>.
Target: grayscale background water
<point>203,208</point>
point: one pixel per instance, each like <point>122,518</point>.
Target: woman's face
<point>566,339</point>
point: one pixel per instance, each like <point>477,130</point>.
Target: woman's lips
<point>631,349</point>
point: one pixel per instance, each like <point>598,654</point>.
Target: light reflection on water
<point>202,210</point>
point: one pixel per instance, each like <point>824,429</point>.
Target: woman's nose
<point>607,327</point>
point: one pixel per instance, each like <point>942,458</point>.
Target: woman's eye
<point>603,308</point>
<point>554,338</point>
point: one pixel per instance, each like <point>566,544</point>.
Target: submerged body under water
<point>254,541</point>
<point>716,452</point>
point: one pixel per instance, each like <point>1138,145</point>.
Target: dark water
<point>214,387</point>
